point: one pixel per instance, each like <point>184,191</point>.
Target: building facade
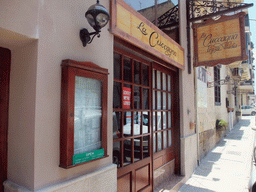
<point>125,112</point>
<point>40,38</point>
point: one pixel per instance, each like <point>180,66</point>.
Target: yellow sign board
<point>142,33</point>
<point>220,41</point>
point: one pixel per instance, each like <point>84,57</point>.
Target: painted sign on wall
<point>220,41</point>
<point>129,25</point>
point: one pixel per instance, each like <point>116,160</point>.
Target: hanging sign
<point>131,26</point>
<point>220,41</point>
<point>126,97</point>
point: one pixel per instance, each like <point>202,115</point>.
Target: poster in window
<point>126,97</point>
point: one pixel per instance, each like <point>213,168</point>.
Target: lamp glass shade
<point>97,16</point>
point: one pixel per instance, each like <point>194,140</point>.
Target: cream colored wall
<point>21,131</point>
<point>36,82</point>
<point>187,104</point>
<point>20,16</point>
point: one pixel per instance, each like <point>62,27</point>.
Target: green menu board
<point>88,156</point>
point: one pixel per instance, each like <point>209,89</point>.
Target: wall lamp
<point>97,16</point>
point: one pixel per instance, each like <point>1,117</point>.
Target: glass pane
<point>145,98</point>
<point>169,83</point>
<point>137,123</point>
<point>145,147</point>
<point>127,124</point>
<point>158,75</point>
<point>145,128</point>
<point>164,81</point>
<point>154,99</point>
<point>165,139</point>
<point>169,138</point>
<point>87,131</point>
<point>117,66</point>
<point>116,153</point>
<point>137,149</point>
<point>159,141</point>
<point>159,100</point>
<point>154,121</point>
<point>117,120</point>
<point>127,96</point>
<point>154,78</point>
<point>127,69</point>
<point>164,101</point>
<point>169,101</point>
<point>169,119</point>
<point>137,97</point>
<point>127,151</point>
<point>159,121</point>
<point>145,75</point>
<point>154,142</point>
<point>164,120</point>
<point>137,72</point>
<point>117,95</point>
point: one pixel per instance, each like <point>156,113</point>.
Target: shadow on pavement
<point>189,188</point>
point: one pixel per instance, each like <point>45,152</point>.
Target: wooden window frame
<point>70,69</point>
<point>217,86</point>
<point>124,54</point>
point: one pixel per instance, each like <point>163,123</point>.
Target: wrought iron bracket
<point>205,9</point>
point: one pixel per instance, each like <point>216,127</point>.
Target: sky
<point>252,17</point>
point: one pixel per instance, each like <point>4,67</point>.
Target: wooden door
<point>164,115</point>
<point>5,60</point>
<point>131,122</point>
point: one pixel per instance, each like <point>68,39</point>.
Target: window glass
<point>145,98</point>
<point>127,69</point>
<point>169,101</point>
<point>165,139</point>
<point>145,119</point>
<point>154,142</point>
<point>116,153</point>
<point>145,146</point>
<point>164,81</point>
<point>137,149</point>
<point>169,138</point>
<point>154,99</point>
<point>164,120</point>
<point>158,75</point>
<point>127,128</point>
<point>137,72</point>
<point>117,95</point>
<point>87,128</point>
<point>117,120</point>
<point>145,75</point>
<point>159,120</point>
<point>154,121</point>
<point>169,83</point>
<point>164,101</point>
<point>169,119</point>
<point>159,141</point>
<point>154,78</point>
<point>127,151</point>
<point>159,100</point>
<point>137,123</point>
<point>117,66</point>
<point>137,97</point>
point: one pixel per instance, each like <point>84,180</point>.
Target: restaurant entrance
<point>145,120</point>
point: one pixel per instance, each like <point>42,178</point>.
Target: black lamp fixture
<point>97,16</point>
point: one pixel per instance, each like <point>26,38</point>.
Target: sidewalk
<point>228,166</point>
